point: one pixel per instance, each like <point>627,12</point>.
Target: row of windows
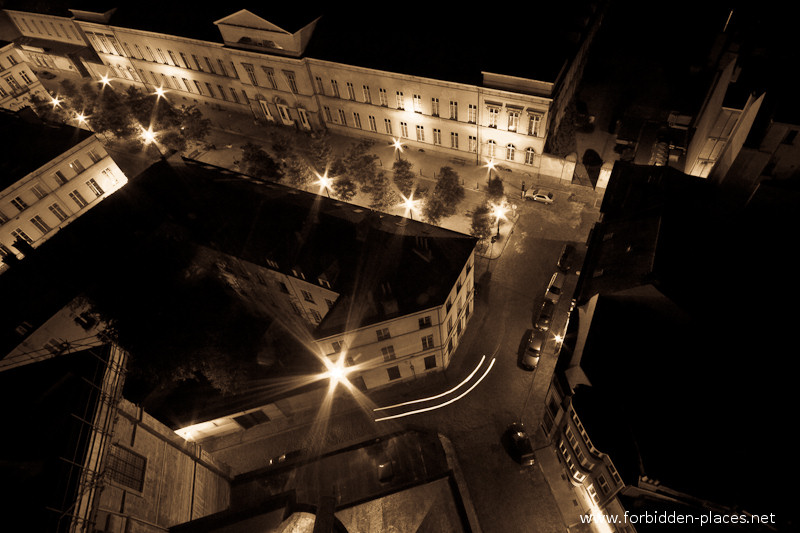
<point>109,45</point>
<point>44,28</point>
<point>58,212</point>
<point>436,137</point>
<point>534,119</point>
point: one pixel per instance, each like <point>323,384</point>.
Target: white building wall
<point>17,80</point>
<point>57,193</point>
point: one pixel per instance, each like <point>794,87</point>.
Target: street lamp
<point>324,182</point>
<point>105,80</point>
<point>398,147</point>
<point>149,136</point>
<point>336,371</point>
<point>410,204</point>
<point>160,93</point>
<point>499,211</point>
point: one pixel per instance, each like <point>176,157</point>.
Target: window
<point>126,467</point>
<point>529,156</point>
<point>222,68</point>
<point>307,296</point>
<point>327,111</point>
<point>19,203</point>
<point>373,126</point>
<point>417,103</point>
<point>513,120</point>
<point>342,117</point>
<point>387,124</point>
<point>604,487</point>
<point>248,420</point>
<point>79,200</point>
<point>95,188</point>
<point>473,143</point>
<point>384,98</point>
<point>329,303</point>
<point>367,95</point>
<point>388,353</point>
<point>492,148</point>
<point>472,117</point>
<point>430,362</point>
<point>40,224</point>
<point>435,107</point>
<point>291,80</point>
<point>77,166</point>
<point>404,129</point>
<point>19,234</point>
<point>453,139</point>
<point>197,86</point>
<point>315,315</point>
<point>357,119</point>
<point>60,178</point>
<point>320,85</point>
<point>534,124</point>
<point>58,212</point>
<point>383,334</point>
<point>209,89</point>
<point>303,118</point>
<point>209,65</point>
<point>270,73</point>
<point>420,133</point>
<point>427,342</point>
<point>93,156</point>
<point>233,94</point>
<point>351,92</point>
<point>197,63</point>
<point>38,191</point>
<point>592,493</point>
<point>510,152</point>
<point>24,75</point>
<point>337,346</point>
<point>185,61</point>
<point>335,88</point>
<point>453,110</point>
<point>394,373</point>
<point>401,101</point>
<point>494,113</point>
<point>251,73</point>
<point>3,218</point>
<point>437,136</point>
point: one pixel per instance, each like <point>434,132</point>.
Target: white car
<point>538,196</point>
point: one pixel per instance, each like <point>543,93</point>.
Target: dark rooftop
<point>33,143</point>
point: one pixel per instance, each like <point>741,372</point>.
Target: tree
<point>446,196</point>
<point>258,163</point>
<point>403,177</point>
<point>495,189</point>
<point>361,165</point>
<point>481,222</point>
<point>296,171</point>
<point>344,188</point>
<point>320,152</point>
<point>193,125</point>
<point>381,192</point>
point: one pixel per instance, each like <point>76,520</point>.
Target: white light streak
<point>448,402</point>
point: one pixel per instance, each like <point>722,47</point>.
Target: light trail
<point>448,402</point>
<point>429,398</point>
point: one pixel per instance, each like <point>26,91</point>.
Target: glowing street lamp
<point>398,147</point>
<point>325,182</point>
<point>410,204</point>
<point>160,92</point>
<point>56,102</point>
<point>105,80</point>
<point>336,371</point>
<point>499,211</point>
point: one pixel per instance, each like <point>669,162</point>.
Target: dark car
<point>529,359</point>
<point>520,444</point>
<point>565,259</point>
<point>545,315</point>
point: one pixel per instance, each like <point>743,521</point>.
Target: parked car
<point>538,196</point>
<point>520,444</point>
<point>555,287</point>
<point>565,259</point>
<point>545,317</point>
<point>529,359</point>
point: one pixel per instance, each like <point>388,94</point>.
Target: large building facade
<point>261,68</point>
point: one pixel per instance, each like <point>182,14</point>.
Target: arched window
<point>510,152</point>
<point>492,148</point>
<point>529,155</point>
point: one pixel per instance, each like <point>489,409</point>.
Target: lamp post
<point>149,137</point>
<point>398,148</point>
<point>324,182</point>
<point>410,204</point>
<point>499,211</point>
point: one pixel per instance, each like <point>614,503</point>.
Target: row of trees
<point>354,171</point>
<point>126,114</point>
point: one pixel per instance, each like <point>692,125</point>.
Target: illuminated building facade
<point>263,69</point>
<point>17,81</point>
<point>65,171</point>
